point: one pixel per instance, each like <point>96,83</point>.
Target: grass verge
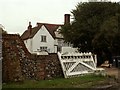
<point>86,81</point>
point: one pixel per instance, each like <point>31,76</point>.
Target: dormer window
<point>43,38</point>
<point>58,30</point>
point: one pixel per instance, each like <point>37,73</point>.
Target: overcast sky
<point>16,14</point>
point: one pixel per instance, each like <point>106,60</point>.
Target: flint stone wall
<point>18,64</point>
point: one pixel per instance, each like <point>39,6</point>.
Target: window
<point>43,38</point>
<point>43,48</point>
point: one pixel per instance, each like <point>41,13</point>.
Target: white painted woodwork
<point>74,63</point>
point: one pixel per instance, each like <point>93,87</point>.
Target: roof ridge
<point>49,23</point>
<point>50,27</point>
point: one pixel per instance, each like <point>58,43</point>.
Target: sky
<point>16,14</point>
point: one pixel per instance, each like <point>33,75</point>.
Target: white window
<point>43,48</point>
<point>43,38</point>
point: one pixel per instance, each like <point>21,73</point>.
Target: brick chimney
<point>67,19</point>
<point>30,28</point>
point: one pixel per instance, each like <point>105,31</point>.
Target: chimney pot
<point>30,28</point>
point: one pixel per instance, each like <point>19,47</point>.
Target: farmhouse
<point>45,37</point>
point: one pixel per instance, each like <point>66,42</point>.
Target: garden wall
<point>18,64</point>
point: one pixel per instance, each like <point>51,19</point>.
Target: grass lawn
<point>86,81</point>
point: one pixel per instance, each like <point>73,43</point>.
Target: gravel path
<point>114,80</point>
<point>113,72</point>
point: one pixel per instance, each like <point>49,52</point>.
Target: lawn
<point>86,81</point>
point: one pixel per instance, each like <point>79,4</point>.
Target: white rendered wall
<point>49,40</point>
<point>35,43</point>
<point>28,44</point>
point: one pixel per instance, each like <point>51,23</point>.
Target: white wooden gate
<point>76,63</point>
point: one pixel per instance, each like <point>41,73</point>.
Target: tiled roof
<point>50,27</point>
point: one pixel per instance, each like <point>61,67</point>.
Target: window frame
<point>43,38</point>
<point>43,48</point>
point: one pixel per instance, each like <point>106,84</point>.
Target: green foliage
<point>95,26</point>
<point>107,34</point>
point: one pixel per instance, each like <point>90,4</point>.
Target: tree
<point>108,31</point>
<point>108,37</point>
<point>95,27</point>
